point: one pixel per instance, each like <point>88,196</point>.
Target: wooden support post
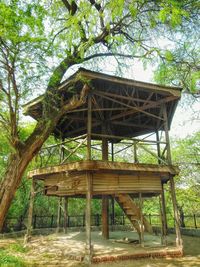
<point>88,248</point>
<point>169,159</point>
<point>89,126</point>
<point>141,221</point>
<point>164,216</point>
<point>59,214</point>
<point>30,213</point>
<point>179,242</point>
<point>105,198</point>
<point>158,147</point>
<point>135,153</point>
<point>113,209</point>
<point>112,151</point>
<point>65,212</point>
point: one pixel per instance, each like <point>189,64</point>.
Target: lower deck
<point>107,178</point>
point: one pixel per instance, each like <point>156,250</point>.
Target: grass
<point>8,260</point>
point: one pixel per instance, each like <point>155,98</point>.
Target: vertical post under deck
<point>30,213</point>
<point>65,212</point>
<point>105,198</point>
<point>164,216</point>
<point>59,214</point>
<point>88,248</point>
<point>141,221</point>
<point>171,180</point>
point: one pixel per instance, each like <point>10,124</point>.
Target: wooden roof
<point>127,107</point>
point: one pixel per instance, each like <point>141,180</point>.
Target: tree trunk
<point>16,167</point>
<point>20,160</point>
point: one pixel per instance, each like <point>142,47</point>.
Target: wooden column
<point>59,214</point>
<point>141,221</point>
<point>172,186</point>
<point>88,248</point>
<point>158,147</point>
<point>164,216</point>
<point>105,198</point>
<point>179,241</point>
<point>135,153</point>
<point>30,213</point>
<point>89,126</point>
<point>65,212</point>
<point>112,197</point>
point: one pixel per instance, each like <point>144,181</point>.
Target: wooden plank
<point>96,165</point>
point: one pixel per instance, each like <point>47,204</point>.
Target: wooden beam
<point>135,109</point>
<point>130,124</point>
<point>129,98</point>
<point>143,108</point>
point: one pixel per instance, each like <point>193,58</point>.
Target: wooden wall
<point>102,183</point>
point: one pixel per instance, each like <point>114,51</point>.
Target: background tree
<point>40,41</point>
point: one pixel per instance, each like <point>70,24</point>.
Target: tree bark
<point>19,160</point>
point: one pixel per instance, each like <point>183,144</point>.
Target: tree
<point>40,41</point>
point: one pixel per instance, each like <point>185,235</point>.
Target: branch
<point>110,54</point>
<point>71,8</point>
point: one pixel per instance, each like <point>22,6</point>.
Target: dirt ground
<point>62,250</point>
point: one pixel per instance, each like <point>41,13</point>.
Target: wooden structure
<point>119,113</point>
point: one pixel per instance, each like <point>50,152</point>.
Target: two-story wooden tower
<point>119,113</point>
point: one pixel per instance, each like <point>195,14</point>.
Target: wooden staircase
<point>133,212</point>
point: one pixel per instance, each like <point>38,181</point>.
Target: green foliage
<point>6,259</point>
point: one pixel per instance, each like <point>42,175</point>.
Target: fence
<point>18,224</point>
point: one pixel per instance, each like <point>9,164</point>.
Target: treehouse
<point>117,116</point>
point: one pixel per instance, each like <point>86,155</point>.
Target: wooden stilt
<point>113,210</point>
<point>105,217</point>
<point>179,242</point>
<point>59,214</point>
<point>65,211</point>
<point>141,221</point>
<point>163,234</point>
<point>164,216</point>
<point>30,213</point>
<point>105,198</point>
<point>88,248</point>
<point>172,186</point>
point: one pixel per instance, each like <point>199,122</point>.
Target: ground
<point>62,250</point>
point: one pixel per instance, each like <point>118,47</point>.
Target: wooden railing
<point>135,150</point>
